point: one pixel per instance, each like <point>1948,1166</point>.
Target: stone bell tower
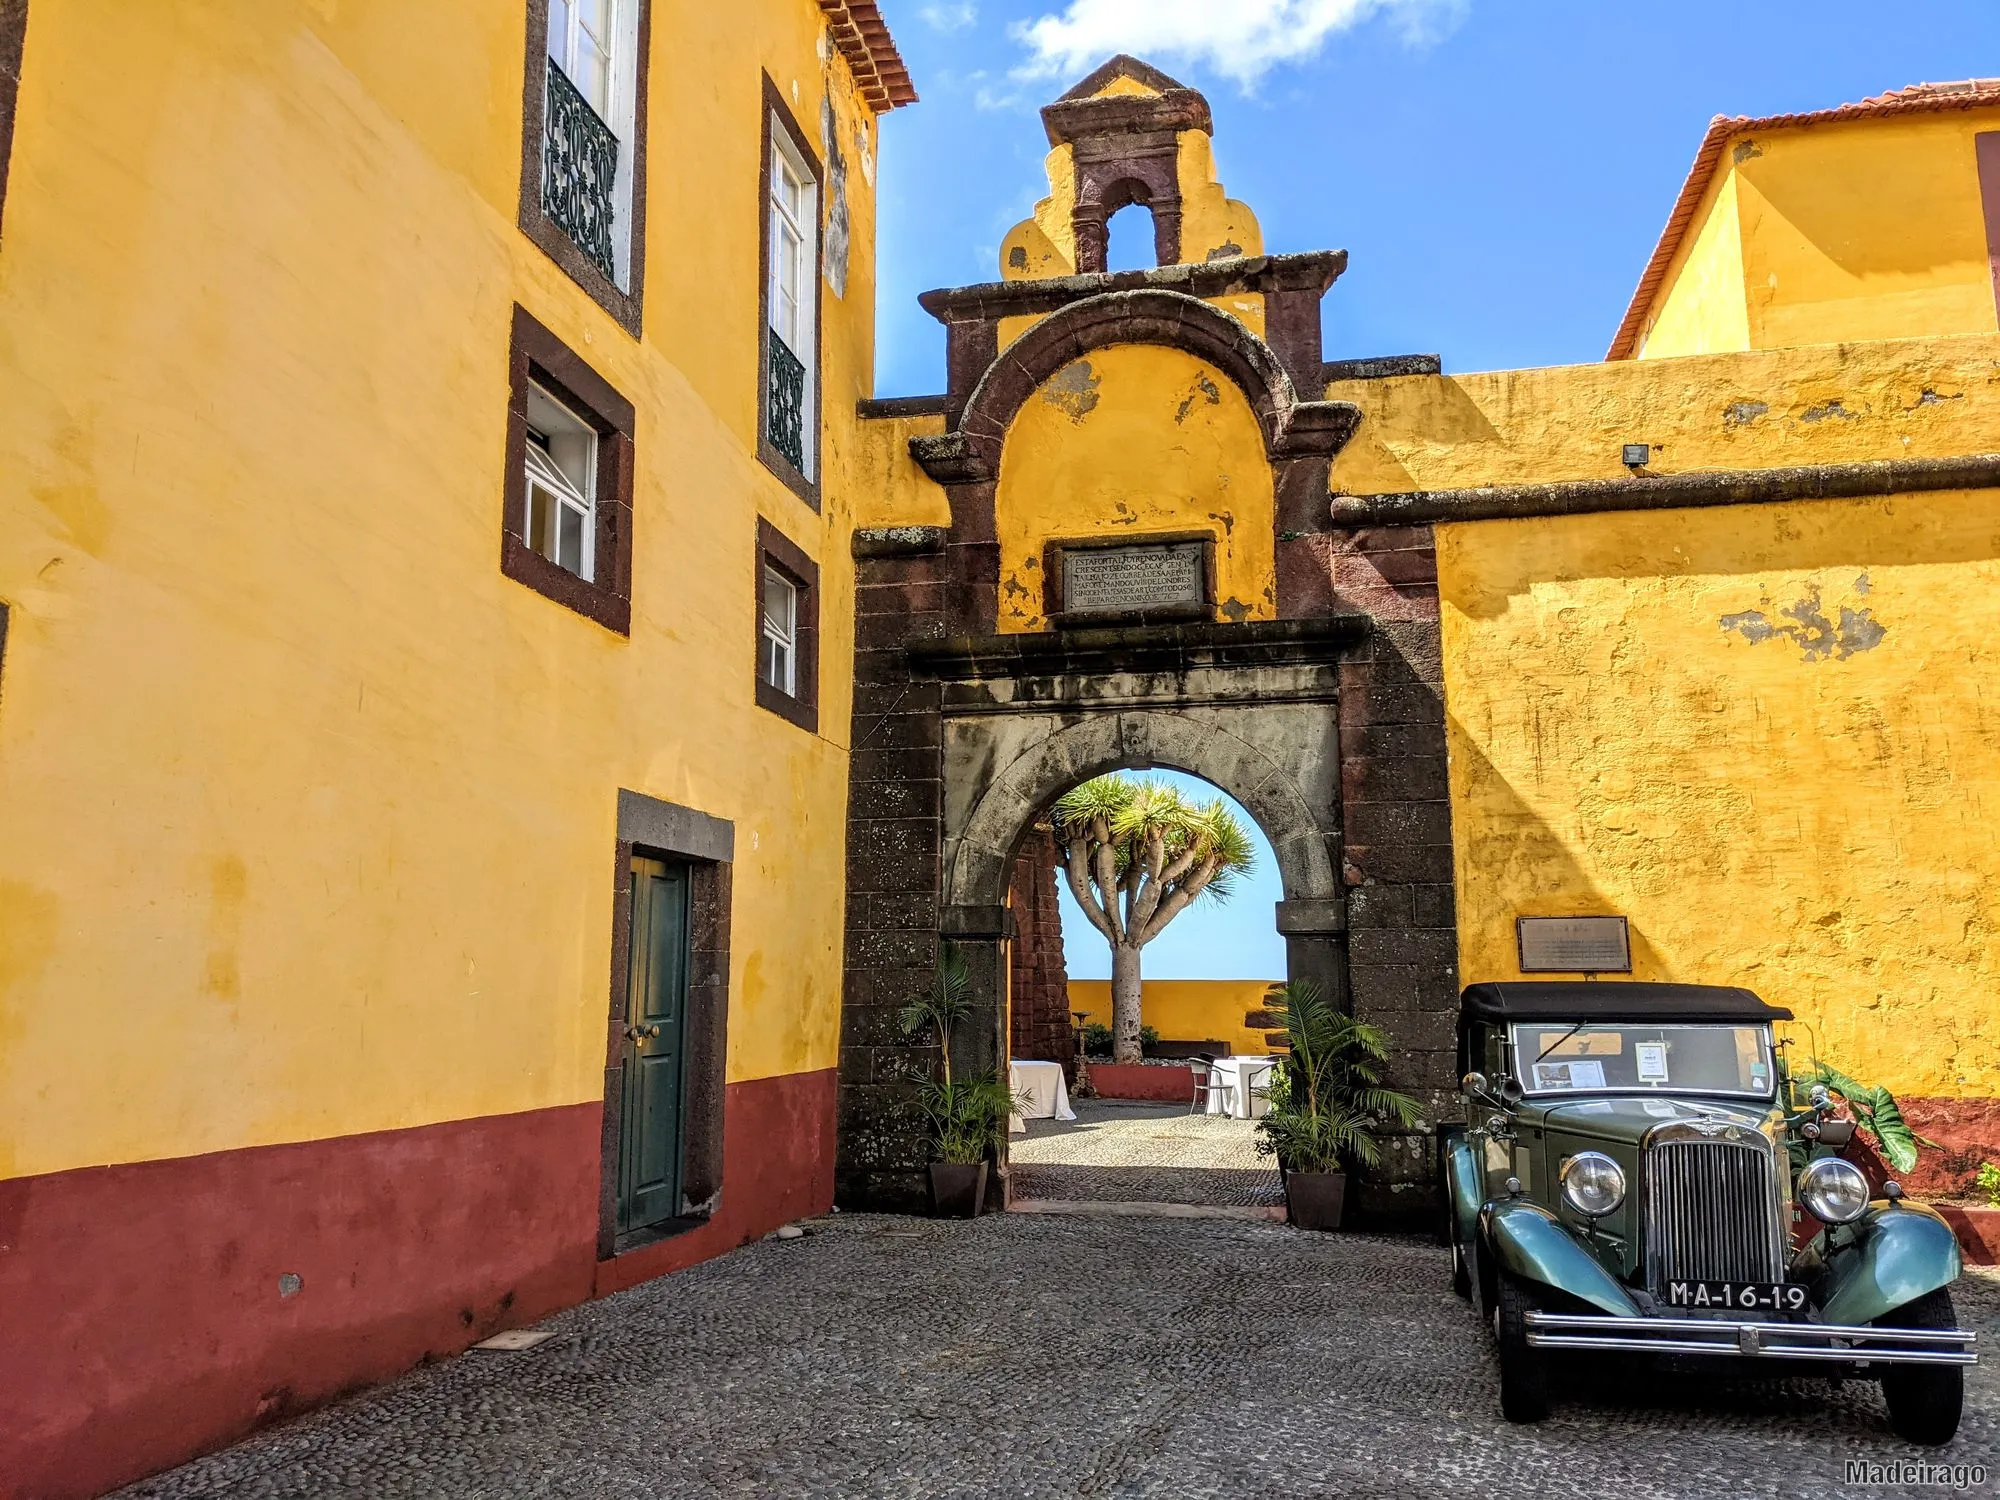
<point>1128,134</point>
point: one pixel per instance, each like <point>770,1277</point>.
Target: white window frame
<point>619,113</point>
<point>543,472</point>
<point>802,225</point>
<point>781,634</point>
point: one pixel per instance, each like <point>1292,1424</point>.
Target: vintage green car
<point>1636,1178</point>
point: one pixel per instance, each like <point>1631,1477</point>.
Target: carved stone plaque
<point>1574,945</point>
<point>1143,576</point>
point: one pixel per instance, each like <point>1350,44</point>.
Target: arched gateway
<point>1138,571</point>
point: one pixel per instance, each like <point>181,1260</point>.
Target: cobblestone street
<point>1027,1355</point>
<point>1122,1152</point>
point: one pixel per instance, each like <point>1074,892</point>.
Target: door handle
<point>641,1033</point>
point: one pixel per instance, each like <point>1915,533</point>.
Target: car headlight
<point>1592,1184</point>
<point>1833,1191</point>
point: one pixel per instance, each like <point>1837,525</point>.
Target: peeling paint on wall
<point>1742,413</point>
<point>1832,408</point>
<point>1073,390</point>
<point>1203,389</point>
<point>1807,625</point>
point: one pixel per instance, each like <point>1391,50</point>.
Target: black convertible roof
<point>1616,1000</point>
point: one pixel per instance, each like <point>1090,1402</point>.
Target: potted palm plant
<point>968,1114</point>
<point>1328,1096</point>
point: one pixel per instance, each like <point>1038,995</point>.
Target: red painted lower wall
<point>1966,1133</point>
<point>141,1320</point>
<point>1137,1081</point>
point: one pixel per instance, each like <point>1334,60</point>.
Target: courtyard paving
<point>1027,1355</point>
<point>1121,1152</point>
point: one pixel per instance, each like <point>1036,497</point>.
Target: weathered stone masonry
<point>1327,723</point>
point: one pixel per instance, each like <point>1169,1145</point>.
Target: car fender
<point>1465,1182</point>
<point>1900,1253</point>
<point>1529,1241</point>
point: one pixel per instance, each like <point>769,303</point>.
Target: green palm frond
<point>944,1005</point>
<point>1333,1094</point>
<point>968,1119</point>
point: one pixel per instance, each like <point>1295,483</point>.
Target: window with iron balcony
<point>583,148</point>
<point>788,406</point>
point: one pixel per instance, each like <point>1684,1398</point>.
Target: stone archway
<point>1278,757</point>
<point>1295,803</point>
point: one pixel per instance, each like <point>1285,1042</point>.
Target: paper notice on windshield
<point>1652,1060</point>
<point>1581,1074</point>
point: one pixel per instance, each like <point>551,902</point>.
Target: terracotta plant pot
<point>1313,1200</point>
<point>957,1191</point>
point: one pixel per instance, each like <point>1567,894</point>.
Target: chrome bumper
<point>1822,1341</point>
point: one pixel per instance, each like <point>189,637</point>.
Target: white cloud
<point>1242,40</point>
<point>950,17</point>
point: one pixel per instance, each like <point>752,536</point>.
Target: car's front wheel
<point>1524,1376</point>
<point>1924,1400</point>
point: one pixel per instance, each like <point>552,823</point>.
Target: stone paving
<point>1029,1356</point>
<point>1122,1152</point>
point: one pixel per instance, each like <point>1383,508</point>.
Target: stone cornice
<point>1314,270</point>
<point>1667,491</point>
<point>1165,648</point>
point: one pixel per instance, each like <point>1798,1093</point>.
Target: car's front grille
<point>1711,1213</point>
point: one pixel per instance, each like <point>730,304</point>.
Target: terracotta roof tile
<point>1918,98</point>
<point>863,38</point>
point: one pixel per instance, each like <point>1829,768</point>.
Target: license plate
<point>1737,1296</point>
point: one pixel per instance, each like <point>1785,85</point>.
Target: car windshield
<point>1628,1057</point>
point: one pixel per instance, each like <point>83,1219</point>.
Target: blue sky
<point>1498,169</point>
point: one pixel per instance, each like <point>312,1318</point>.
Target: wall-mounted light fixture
<point>1638,455</point>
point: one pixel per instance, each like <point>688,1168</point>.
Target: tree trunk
<point>1125,1003</point>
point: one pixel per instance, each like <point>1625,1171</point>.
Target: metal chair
<point>1205,1086</point>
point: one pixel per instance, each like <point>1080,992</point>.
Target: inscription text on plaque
<point>1143,576</point>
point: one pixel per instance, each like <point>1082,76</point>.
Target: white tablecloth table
<point>1239,1075</point>
<point>1048,1094</point>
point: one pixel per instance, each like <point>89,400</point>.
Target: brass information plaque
<point>1574,945</point>
<point>1111,580</point>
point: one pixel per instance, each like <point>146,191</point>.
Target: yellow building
<point>1877,220</point>
<point>495,723</point>
<point>427,627</point>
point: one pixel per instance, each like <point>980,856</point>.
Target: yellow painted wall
<point>1769,735</point>
<point>309,812</point>
<point>1136,439</point>
<point>1860,229</point>
<point>1637,726</point>
<point>1186,1010</point>
<point>1705,310</point>
<point>1916,398</point>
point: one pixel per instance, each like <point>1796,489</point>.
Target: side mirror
<point>1506,1093</point>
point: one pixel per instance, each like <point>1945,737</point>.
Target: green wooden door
<point>649,1154</point>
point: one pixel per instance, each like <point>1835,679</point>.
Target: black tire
<point>1461,1273</point>
<point>1924,1400</point>
<point>1524,1375</point>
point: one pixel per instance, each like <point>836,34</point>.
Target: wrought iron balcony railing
<point>579,166</point>
<point>785,422</point>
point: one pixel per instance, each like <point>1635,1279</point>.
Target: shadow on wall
<point>1503,847</point>
<point>1851,538</point>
